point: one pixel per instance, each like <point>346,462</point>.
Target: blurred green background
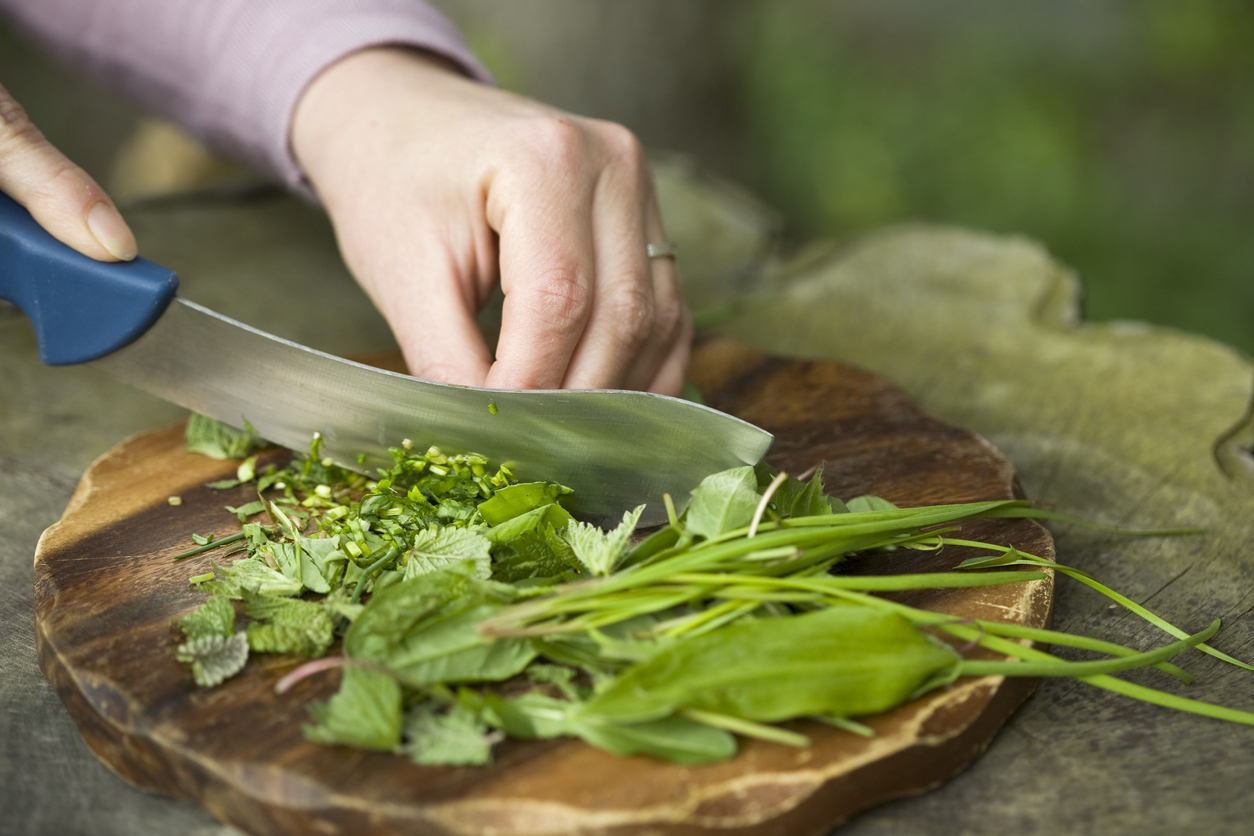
<point>1120,134</point>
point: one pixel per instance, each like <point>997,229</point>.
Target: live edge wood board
<point>106,593</point>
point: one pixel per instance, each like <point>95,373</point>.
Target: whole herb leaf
<point>722,502</point>
<point>600,551</point>
<point>846,661</point>
<point>291,625</point>
<point>454,736</point>
<point>423,630</point>
<point>364,713</point>
<point>514,500</point>
<point>215,617</point>
<point>214,658</point>
<point>861,504</point>
<point>439,549</point>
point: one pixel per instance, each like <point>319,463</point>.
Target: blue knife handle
<point>82,309</point>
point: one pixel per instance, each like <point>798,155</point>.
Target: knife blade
<point>616,449</point>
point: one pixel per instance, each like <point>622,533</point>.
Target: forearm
<point>230,71</point>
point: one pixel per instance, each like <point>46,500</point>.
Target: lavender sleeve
<point>230,71</point>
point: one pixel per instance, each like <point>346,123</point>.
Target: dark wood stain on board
<point>106,593</point>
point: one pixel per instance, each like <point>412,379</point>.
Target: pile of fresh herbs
<point>471,607</point>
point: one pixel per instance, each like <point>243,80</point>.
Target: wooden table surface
<point>1121,423</point>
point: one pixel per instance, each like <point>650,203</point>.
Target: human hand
<point>439,186</point>
<point>61,197</point>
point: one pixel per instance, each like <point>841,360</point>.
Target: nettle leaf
<point>249,573</point>
<point>438,549</point>
<point>365,712</point>
<point>795,498</point>
<point>214,659</point>
<point>722,502</point>
<point>600,551</point>
<point>215,617</point>
<point>453,737</point>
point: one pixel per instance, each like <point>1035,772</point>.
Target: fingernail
<point>111,231</point>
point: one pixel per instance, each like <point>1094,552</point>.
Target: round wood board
<point>106,593</point>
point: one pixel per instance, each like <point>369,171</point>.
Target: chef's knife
<point>616,449</point>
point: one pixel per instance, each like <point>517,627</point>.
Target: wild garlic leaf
<point>722,502</point>
<point>248,509</point>
<point>452,737</point>
<point>862,504</point>
<point>448,548</point>
<point>215,617</point>
<point>510,502</point>
<point>676,739</point>
<point>365,712</point>
<point>214,659</point>
<point>600,551</point>
<point>847,661</point>
<point>218,440</point>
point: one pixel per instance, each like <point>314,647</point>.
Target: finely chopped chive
<point>443,577</point>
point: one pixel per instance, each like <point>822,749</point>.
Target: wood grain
<point>106,593</point>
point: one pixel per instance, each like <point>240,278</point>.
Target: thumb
<point>62,198</point>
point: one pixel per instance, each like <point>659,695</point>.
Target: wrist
<point>345,104</point>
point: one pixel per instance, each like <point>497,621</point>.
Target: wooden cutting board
<point>106,593</point>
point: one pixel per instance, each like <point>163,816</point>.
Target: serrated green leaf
<point>452,737</point>
<point>215,617</point>
<point>600,551</point>
<point>365,712</point>
<point>292,625</point>
<point>439,549</point>
<point>214,659</point>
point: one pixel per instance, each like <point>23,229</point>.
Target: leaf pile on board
<point>471,607</point>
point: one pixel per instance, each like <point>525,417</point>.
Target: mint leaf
<point>438,549</point>
<point>600,551</point>
<point>214,659</point>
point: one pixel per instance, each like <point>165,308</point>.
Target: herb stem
<point>234,538</point>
